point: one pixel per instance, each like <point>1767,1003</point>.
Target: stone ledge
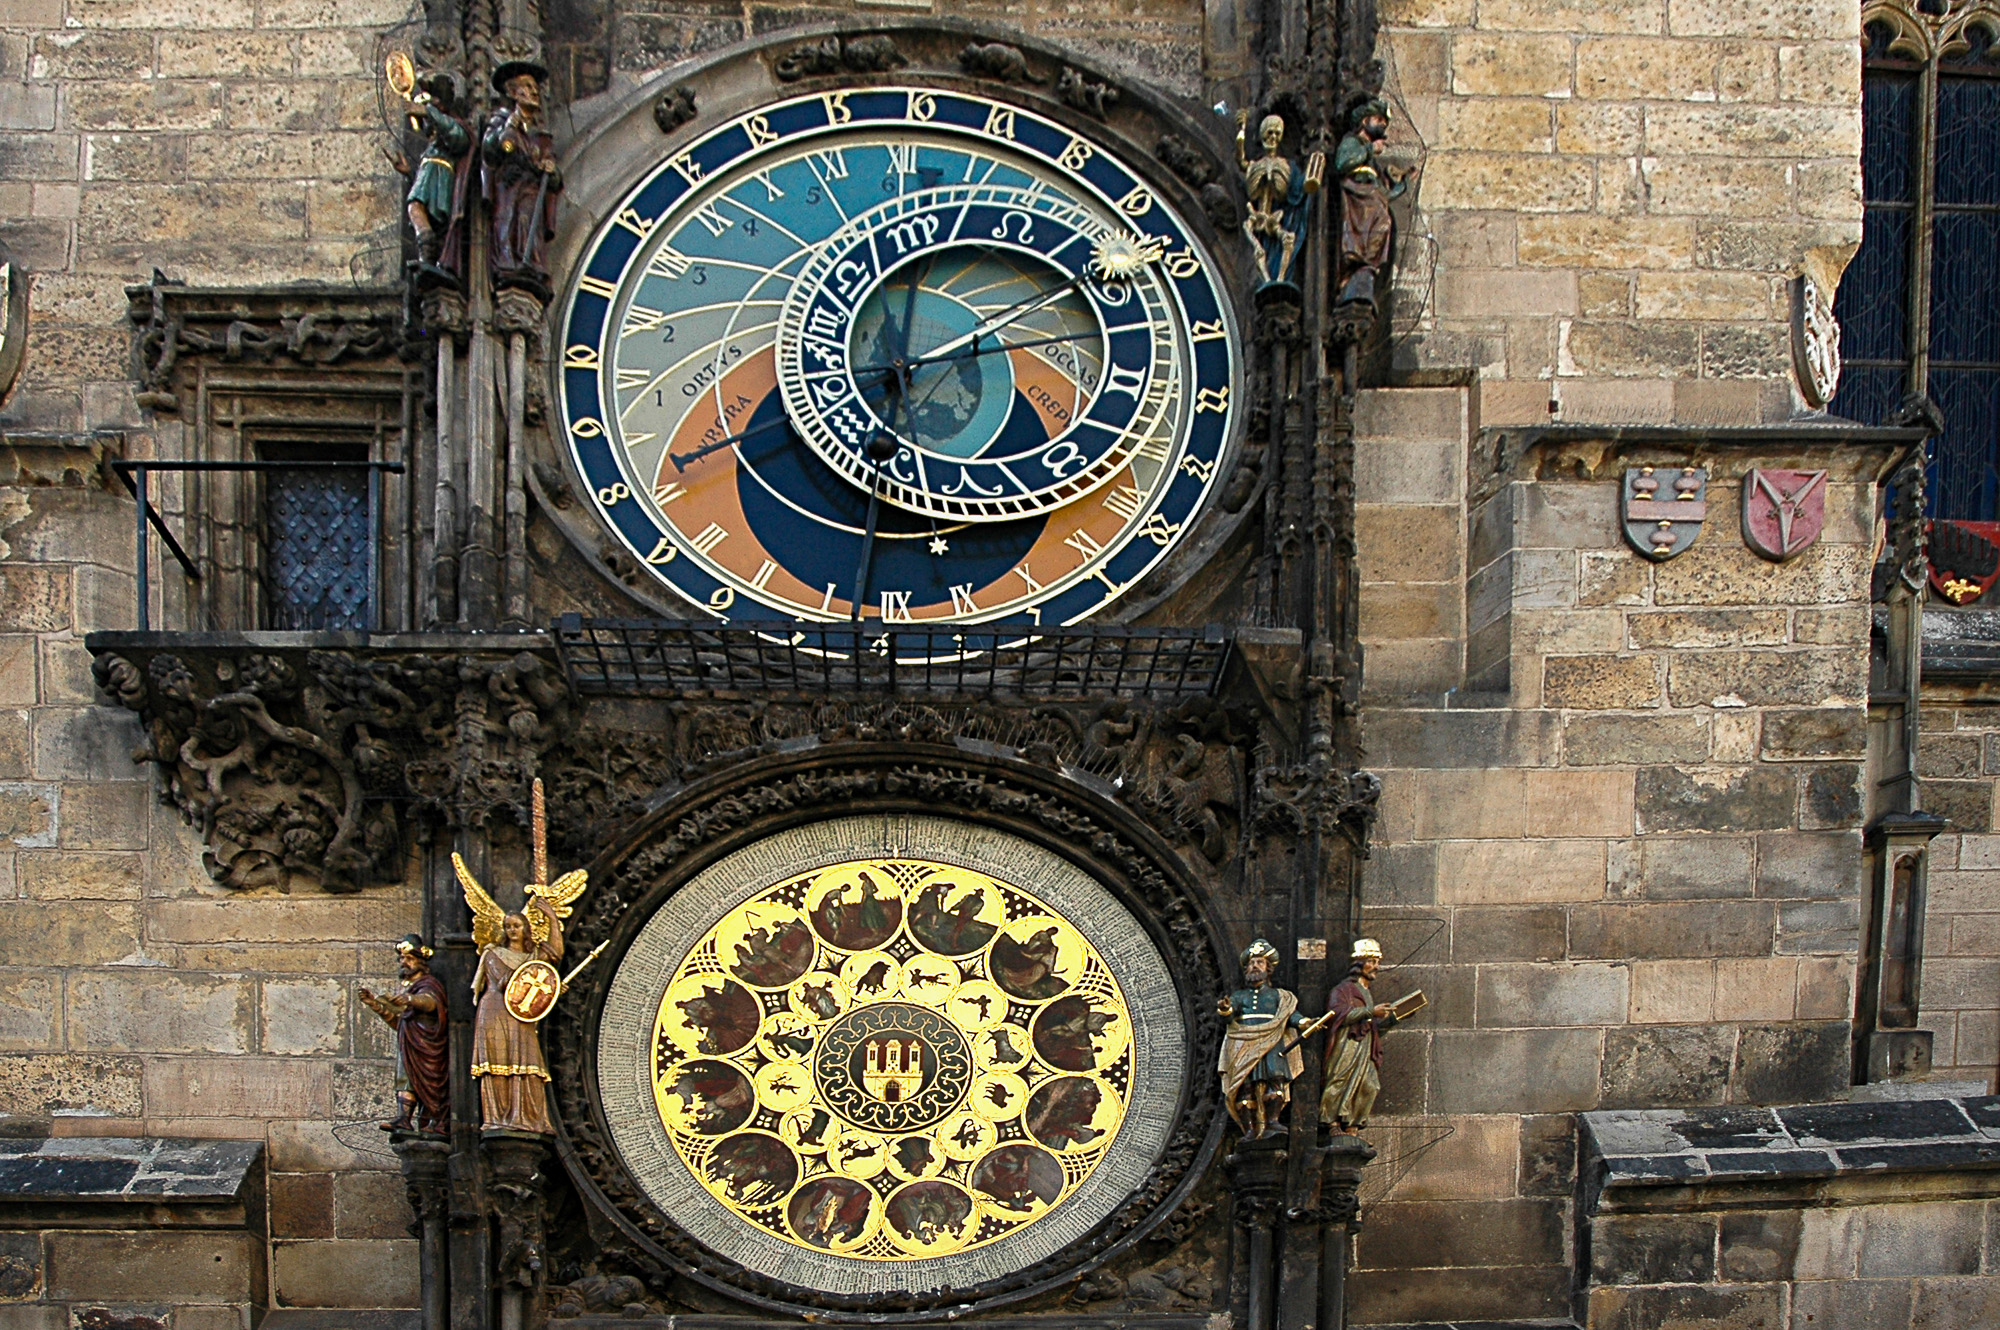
<point>160,1182</point>
<point>1648,1158</point>
<point>1469,1325</point>
<point>599,1321</point>
<point>125,1168</point>
<point>1961,645</point>
<point>44,458</point>
<point>499,640</point>
<point>323,1318</point>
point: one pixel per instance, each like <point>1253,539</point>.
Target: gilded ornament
<point>516,985</point>
<point>891,1058</point>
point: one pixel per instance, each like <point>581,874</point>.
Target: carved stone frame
<point>711,818</point>
<point>242,368</point>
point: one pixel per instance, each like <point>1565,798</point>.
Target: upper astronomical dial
<point>991,332</point>
<point>898,355</point>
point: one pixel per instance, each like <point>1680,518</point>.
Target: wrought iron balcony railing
<point>671,658</point>
<point>312,572</point>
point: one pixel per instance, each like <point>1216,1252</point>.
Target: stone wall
<point>226,142</point>
<point>1958,758</point>
<point>618,44</point>
<point>135,1234</point>
<point>136,998</point>
<point>1838,1215</point>
<point>1614,195</point>
<point>1624,859</point>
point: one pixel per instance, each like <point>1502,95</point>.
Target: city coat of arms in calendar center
<point>927,1051</point>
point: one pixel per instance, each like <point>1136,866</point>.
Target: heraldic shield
<point>1663,508</point>
<point>1783,511</point>
<point>532,991</point>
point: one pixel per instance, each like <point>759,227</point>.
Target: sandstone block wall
<point>1864,1216</point>
<point>1620,841</point>
<point>1615,194</point>
<point>621,43</point>
<point>1881,1266</point>
<point>228,143</point>
<point>136,999</point>
<point>1958,760</point>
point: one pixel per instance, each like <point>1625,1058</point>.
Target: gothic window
<point>319,538</point>
<point>1919,306</point>
<point>289,492</point>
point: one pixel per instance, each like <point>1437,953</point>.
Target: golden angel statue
<point>516,985</point>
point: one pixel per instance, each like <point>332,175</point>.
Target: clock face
<point>869,1053</point>
<point>903,345</point>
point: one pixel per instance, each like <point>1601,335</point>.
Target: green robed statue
<point>1260,1055</point>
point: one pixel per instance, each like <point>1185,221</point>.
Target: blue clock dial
<point>907,347</point>
<point>989,424</point>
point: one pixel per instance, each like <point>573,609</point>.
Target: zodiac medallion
<point>892,1057</point>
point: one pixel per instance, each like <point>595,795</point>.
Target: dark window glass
<point>1956,347</point>
<point>1964,377</point>
<point>1889,136</point>
<point>1968,140</point>
<point>1873,303</point>
<point>316,544</point>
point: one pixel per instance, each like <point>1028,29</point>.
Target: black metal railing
<point>134,474</point>
<point>664,658</point>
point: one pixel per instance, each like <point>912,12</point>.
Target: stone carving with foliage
<point>303,768</point>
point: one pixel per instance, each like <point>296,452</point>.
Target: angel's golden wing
<point>488,918</point>
<point>562,893</point>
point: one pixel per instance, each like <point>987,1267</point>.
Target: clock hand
<point>682,461</point>
<point>969,353</point>
<point>883,446</point>
<point>939,383</point>
<point>1013,312</point>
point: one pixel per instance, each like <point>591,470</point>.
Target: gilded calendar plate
<point>925,1051</point>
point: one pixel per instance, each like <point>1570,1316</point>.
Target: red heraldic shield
<point>532,992</point>
<point>1783,511</point>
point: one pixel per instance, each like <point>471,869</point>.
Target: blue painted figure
<point>1280,196</point>
<point>1260,1055</point>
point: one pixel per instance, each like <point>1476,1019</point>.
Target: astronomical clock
<point>906,999</point>
<point>888,485</point>
<point>899,354</point>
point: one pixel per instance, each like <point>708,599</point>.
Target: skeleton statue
<point>1280,194</point>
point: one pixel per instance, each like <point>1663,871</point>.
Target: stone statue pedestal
<point>1341,1160</point>
<point>426,1161</point>
<point>1257,1187</point>
<point>514,1191</point>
